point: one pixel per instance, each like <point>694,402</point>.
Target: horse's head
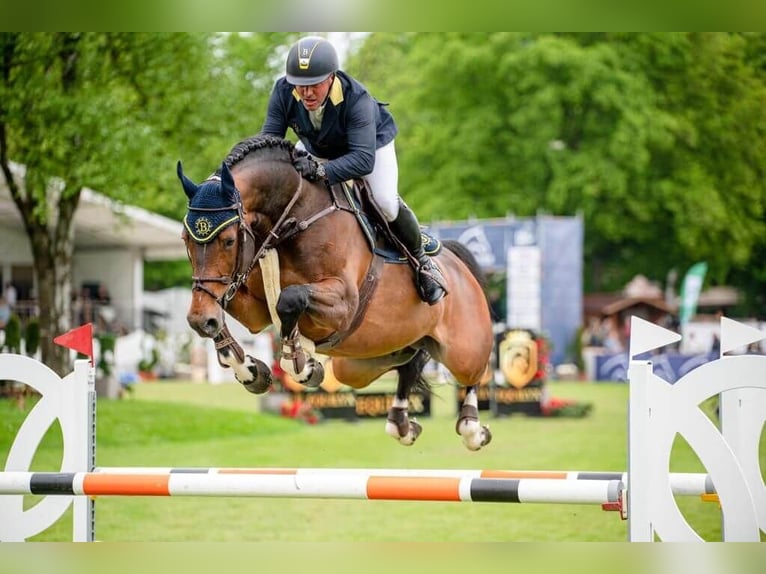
<point>220,245</point>
<point>225,217</point>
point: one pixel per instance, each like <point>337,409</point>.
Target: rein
<point>247,256</point>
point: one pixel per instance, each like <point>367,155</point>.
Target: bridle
<point>247,256</point>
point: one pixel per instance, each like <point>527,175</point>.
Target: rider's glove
<point>309,168</point>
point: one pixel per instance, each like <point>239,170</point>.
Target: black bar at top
<point>52,483</point>
<point>599,476</point>
<point>495,490</point>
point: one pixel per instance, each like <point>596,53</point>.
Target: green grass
<point>179,424</point>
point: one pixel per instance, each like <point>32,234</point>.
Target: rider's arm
<point>361,133</point>
<point>275,123</point>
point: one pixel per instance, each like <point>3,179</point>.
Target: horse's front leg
<point>254,375</point>
<point>293,301</point>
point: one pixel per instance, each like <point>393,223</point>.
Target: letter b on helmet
<point>310,60</point>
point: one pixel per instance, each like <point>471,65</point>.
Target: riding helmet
<point>310,60</point>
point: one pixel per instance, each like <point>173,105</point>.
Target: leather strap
<point>224,340</point>
<point>366,292</point>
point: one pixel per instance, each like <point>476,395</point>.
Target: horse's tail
<point>412,371</point>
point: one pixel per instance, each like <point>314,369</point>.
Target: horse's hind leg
<point>398,423</point>
<point>475,435</point>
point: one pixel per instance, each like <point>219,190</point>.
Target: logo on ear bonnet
<point>203,227</point>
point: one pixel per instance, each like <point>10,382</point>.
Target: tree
<point>113,112</point>
<point>659,140</point>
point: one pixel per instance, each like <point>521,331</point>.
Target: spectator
<point>106,313</point>
<point>5,312</point>
<point>715,347</point>
<point>612,340</point>
<point>10,294</point>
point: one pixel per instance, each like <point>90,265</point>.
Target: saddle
<point>356,197</point>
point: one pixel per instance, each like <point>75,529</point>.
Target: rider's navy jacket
<point>354,125</point>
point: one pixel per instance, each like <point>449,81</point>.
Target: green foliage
<point>13,334</point>
<point>164,274</point>
<point>32,336</point>
<point>147,364</point>
<point>657,139</point>
<point>115,112</point>
<point>106,344</point>
<point>574,350</point>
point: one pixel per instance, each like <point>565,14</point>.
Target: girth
<point>366,292</point>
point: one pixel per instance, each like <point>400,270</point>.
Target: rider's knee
<point>388,204</point>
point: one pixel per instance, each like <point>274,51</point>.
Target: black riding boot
<point>429,279</point>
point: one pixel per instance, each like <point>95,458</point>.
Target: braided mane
<point>256,143</point>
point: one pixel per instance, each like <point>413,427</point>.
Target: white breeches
<point>384,181</point>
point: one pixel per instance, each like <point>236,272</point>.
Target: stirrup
<point>430,283</point>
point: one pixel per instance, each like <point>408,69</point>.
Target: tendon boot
<point>429,279</point>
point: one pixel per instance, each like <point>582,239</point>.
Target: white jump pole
<point>682,483</point>
<point>657,412</point>
<point>318,485</point>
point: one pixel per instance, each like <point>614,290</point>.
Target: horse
<point>267,246</point>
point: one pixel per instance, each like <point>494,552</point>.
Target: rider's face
<point>314,96</point>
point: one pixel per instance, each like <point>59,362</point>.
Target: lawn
<point>181,424</point>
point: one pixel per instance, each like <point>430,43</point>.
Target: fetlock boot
<point>429,279</point>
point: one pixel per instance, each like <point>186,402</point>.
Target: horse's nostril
<point>211,326</point>
<point>205,326</point>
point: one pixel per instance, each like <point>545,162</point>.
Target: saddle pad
<point>369,217</point>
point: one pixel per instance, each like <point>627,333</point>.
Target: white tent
<point>112,241</point>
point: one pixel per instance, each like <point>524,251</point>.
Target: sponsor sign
<point>519,382</point>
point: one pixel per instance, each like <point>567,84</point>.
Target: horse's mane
<point>256,143</point>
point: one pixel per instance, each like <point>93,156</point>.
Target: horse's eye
<point>228,242</point>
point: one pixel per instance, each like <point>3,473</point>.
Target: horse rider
<point>352,136</point>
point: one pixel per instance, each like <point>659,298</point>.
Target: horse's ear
<point>189,187</point>
<point>228,189</point>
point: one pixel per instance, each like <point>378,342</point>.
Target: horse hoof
<point>257,387</point>
<point>260,380</point>
<point>317,375</point>
<point>401,427</point>
<point>408,438</point>
<point>474,435</point>
<point>412,435</point>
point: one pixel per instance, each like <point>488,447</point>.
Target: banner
<point>690,291</point>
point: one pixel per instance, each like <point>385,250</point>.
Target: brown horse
<point>269,247</point>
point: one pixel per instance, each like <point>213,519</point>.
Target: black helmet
<point>310,60</point>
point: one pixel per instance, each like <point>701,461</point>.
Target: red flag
<point>79,339</point>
